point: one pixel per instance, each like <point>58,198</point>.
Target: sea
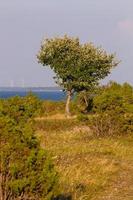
<point>54,94</point>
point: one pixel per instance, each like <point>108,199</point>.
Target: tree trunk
<point>86,102</point>
<point>67,109</point>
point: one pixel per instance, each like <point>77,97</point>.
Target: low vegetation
<point>90,167</point>
<point>89,156</point>
<point>113,110</point>
<point>26,170</point>
<point>20,109</point>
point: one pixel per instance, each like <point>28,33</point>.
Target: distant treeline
<point>29,88</point>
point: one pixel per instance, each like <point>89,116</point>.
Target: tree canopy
<point>77,66</point>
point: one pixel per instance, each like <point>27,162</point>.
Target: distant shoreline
<point>30,89</point>
<point>54,94</point>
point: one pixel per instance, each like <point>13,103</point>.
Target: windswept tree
<point>78,67</point>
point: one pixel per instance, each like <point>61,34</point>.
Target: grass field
<point>90,168</point>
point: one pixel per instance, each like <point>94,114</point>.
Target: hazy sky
<point>24,23</point>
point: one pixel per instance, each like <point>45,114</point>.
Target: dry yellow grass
<point>90,168</point>
<point>57,116</point>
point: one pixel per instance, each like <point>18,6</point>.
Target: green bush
<point>104,124</point>
<point>82,118</point>
<point>20,108</point>
<point>114,96</point>
<point>113,110</point>
<point>84,101</point>
<point>26,170</point>
<point>128,123</point>
<point>111,123</point>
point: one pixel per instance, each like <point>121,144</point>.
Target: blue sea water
<point>44,95</point>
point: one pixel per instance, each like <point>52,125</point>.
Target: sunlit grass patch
<point>87,165</point>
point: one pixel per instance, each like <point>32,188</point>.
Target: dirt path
<point>55,117</point>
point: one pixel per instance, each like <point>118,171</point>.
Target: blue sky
<point>24,23</point>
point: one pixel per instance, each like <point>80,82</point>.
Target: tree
<point>77,66</point>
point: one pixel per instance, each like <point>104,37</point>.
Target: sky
<point>24,24</point>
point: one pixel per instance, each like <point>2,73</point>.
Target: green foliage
<point>84,100</point>
<point>77,66</point>
<point>111,123</point>
<point>82,118</point>
<point>26,170</point>
<point>20,108</point>
<point>113,109</point>
<point>114,96</point>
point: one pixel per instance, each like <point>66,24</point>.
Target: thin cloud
<point>126,26</point>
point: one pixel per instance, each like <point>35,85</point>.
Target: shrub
<point>111,123</point>
<point>128,123</point>
<point>114,96</point>
<point>26,170</point>
<point>113,109</point>
<point>20,108</point>
<point>82,118</point>
<point>84,100</point>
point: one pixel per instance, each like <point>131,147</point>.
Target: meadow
<point>90,167</point>
<point>88,156</point>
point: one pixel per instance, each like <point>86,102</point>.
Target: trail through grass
<point>90,168</point>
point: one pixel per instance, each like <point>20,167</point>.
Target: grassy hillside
<point>90,168</point>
